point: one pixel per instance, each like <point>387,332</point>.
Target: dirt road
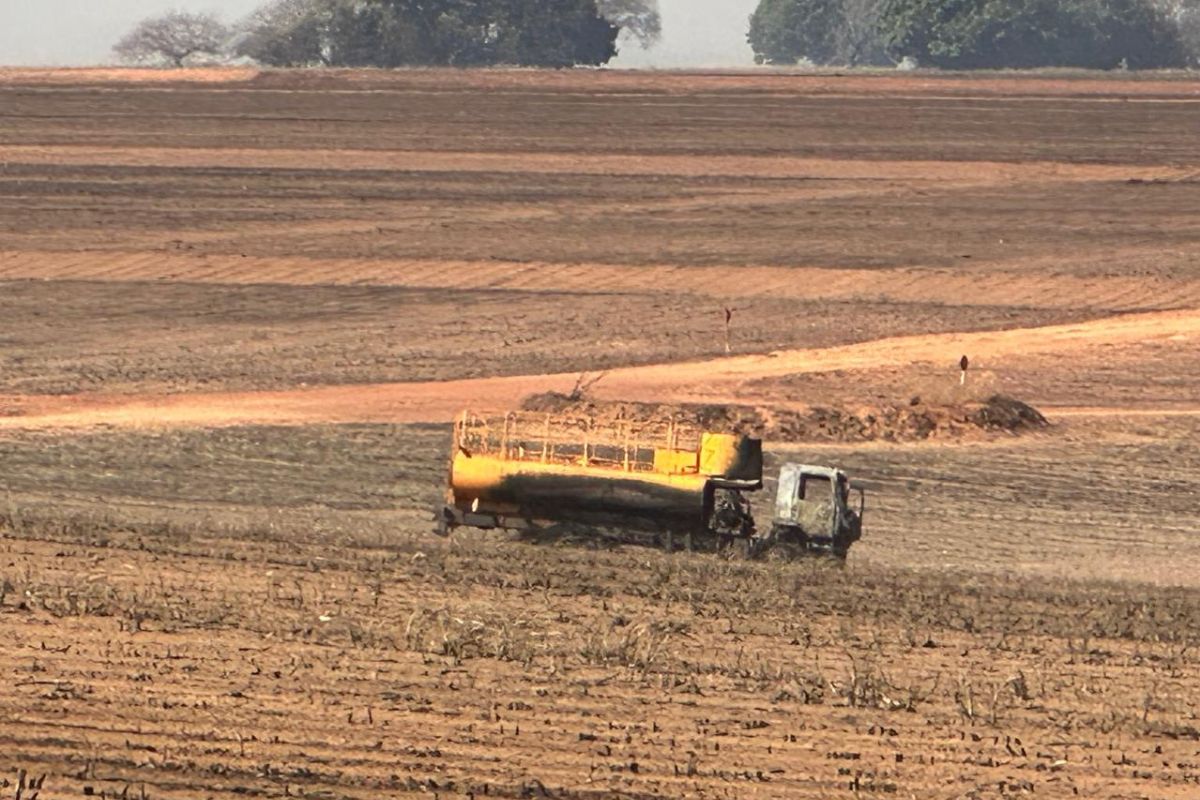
<point>715,380</point>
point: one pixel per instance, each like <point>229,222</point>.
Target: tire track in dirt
<point>1026,287</point>
<point>967,173</point>
<point>781,82</point>
<point>124,75</point>
<point>714,380</point>
<point>1104,411</point>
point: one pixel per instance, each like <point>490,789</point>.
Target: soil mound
<point>914,420</point>
<point>711,417</point>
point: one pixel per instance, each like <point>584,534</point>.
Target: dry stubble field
<point>239,308</point>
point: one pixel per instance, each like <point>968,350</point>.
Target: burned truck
<point>814,511</point>
<point>662,482</point>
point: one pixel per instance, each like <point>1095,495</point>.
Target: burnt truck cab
<point>813,510</point>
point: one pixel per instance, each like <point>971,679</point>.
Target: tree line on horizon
<point>979,34</point>
<point>947,34</point>
<point>397,33</point>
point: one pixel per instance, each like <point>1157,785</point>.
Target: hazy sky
<point>703,33</point>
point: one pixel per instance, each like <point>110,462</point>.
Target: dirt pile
<point>914,420</point>
<point>710,417</point>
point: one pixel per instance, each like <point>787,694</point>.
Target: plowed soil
<point>237,309</point>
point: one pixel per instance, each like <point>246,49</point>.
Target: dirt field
<point>238,309</point>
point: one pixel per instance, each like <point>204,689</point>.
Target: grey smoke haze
<point>696,33</point>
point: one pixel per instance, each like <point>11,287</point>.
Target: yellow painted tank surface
<point>527,467</point>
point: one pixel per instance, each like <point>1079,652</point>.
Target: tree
<point>393,33</point>
<point>552,33</point>
<point>967,34</point>
<point>173,38</point>
<point>637,19</point>
<point>1189,34</point>
<point>970,34</point>
<point>858,39</point>
<point>1185,15</point>
<point>820,31</point>
<point>1130,33</point>
<point>786,31</point>
<point>291,33</point>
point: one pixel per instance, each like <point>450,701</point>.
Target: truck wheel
<point>442,519</point>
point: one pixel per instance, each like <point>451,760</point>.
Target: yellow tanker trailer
<point>666,478</point>
<point>524,470</point>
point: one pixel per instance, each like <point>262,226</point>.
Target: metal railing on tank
<point>618,444</point>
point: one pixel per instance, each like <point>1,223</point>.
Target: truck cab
<point>813,510</point>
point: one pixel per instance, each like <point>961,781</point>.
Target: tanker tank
<point>525,470</point>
